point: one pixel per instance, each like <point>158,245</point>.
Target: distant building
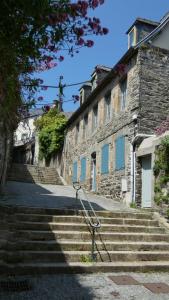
<point>120,107</point>
<point>24,139</point>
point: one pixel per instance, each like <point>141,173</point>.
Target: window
<point>95,117</point>
<point>105,159</point>
<point>85,126</point>
<point>123,96</point>
<point>120,153</point>
<point>77,133</point>
<point>107,107</point>
<point>131,38</point>
<point>74,177</point>
<point>83,169</point>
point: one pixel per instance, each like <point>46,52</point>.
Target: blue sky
<point>117,16</point>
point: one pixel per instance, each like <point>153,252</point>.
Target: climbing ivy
<point>51,128</point>
<point>161,172</point>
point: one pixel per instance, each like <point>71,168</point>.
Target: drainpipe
<point>133,163</point>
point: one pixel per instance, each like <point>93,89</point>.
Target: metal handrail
<point>93,225</point>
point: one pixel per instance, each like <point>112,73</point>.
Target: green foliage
<point>133,205</point>
<point>168,213</point>
<point>163,180</point>
<point>161,171</point>
<point>165,199</point>
<point>86,258</point>
<point>32,34</point>
<point>158,199</point>
<point>157,188</point>
<point>51,127</point>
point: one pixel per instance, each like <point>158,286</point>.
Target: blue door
<point>146,181</point>
<point>94,175</point>
<point>74,177</point>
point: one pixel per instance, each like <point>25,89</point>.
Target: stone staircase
<point>51,241</point>
<point>34,174</point>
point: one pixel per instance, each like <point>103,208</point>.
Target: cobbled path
<point>86,287</point>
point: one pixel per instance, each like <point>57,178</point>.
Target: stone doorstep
<point>25,210</point>
<point>116,236</point>
<point>86,246</point>
<point>79,268</point>
<point>77,256</point>
<point>118,220</point>
<point>81,227</point>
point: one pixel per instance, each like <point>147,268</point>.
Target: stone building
<point>120,107</point>
<point>25,147</point>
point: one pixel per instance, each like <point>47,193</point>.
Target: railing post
<point>93,244</point>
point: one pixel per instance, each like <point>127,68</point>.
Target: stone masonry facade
<point>147,72</point>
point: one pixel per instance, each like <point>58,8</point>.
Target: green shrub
<point>168,213</point>
<point>158,199</point>
<point>161,171</point>
<point>133,205</point>
<point>157,188</point>
<point>51,127</point>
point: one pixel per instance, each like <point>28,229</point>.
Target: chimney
<point>85,91</point>
<point>139,30</point>
<point>98,75</point>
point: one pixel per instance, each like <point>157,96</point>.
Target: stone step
<point>76,235</point>
<point>85,256</point>
<point>70,212</point>
<point>85,227</point>
<point>86,246</point>
<point>30,173</point>
<point>81,219</point>
<point>55,268</point>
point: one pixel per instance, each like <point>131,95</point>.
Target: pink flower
<point>95,3</point>
<point>105,31</point>
<point>44,88</point>
<point>40,98</point>
<point>79,31</point>
<point>89,43</point>
<point>61,58</point>
<point>46,108</point>
<point>80,42</point>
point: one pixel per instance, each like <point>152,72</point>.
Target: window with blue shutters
<point>83,169</point>
<point>120,153</point>
<point>74,177</point>
<point>105,159</point>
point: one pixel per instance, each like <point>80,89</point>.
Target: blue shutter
<point>83,169</point>
<point>74,177</point>
<point>105,159</point>
<point>120,153</point>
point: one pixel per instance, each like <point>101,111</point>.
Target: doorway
<point>93,172</point>
<point>146,181</point>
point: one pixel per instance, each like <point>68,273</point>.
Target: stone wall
<point>120,124</point>
<point>5,151</point>
<point>147,96</point>
<point>154,88</point>
<point>153,96</point>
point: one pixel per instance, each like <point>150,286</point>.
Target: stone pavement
<point>53,196</point>
<point>86,287</point>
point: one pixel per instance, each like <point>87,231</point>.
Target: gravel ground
<point>86,287</point>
